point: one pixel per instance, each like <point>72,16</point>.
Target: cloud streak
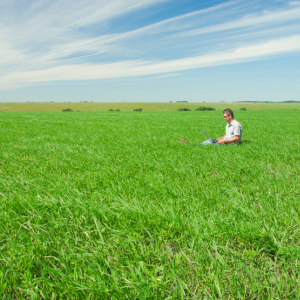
<point>250,20</point>
<point>142,68</point>
<point>52,41</point>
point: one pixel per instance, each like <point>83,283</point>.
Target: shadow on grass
<point>246,142</point>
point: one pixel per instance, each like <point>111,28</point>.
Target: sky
<point>149,50</point>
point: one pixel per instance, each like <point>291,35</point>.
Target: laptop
<point>213,141</point>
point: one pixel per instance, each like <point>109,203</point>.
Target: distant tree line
<point>201,108</point>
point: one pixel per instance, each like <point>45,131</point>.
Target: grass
<point>111,206</point>
<point>127,106</point>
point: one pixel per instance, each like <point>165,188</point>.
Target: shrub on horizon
<point>138,109</point>
<point>118,109</point>
<point>203,108</point>
<point>243,108</point>
<point>110,109</point>
<point>183,109</point>
<point>67,109</point>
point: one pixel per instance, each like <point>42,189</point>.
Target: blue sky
<point>149,50</point>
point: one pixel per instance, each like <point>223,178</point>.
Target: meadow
<point>130,106</point>
<point>110,205</point>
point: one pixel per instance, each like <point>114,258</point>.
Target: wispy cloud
<point>40,32</point>
<point>52,41</point>
<point>141,68</point>
<point>256,20</point>
<point>9,55</point>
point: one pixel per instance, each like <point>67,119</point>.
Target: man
<point>233,131</point>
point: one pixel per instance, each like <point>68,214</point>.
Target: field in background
<point>109,205</point>
<point>126,106</point>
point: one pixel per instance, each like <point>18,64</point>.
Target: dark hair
<point>228,112</point>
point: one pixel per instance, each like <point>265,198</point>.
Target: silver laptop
<point>211,140</point>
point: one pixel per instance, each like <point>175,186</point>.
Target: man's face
<point>226,117</point>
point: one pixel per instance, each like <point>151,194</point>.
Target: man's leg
<point>208,142</point>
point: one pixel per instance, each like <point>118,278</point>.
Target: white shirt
<point>233,129</point>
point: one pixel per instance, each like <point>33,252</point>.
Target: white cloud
<point>44,31</point>
<point>47,23</point>
<point>51,41</point>
<point>250,20</point>
<point>141,68</point>
<point>172,29</point>
<point>9,55</point>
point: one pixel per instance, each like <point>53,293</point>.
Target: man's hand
<point>223,141</point>
<point>220,140</point>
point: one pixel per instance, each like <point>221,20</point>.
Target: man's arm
<point>223,141</point>
<point>220,138</point>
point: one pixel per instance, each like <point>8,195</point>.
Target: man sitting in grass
<point>233,131</point>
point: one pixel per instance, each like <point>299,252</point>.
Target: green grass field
<point>110,205</point>
<point>130,106</point>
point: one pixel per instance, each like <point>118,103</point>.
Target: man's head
<point>228,115</point>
